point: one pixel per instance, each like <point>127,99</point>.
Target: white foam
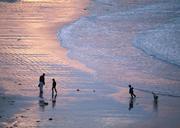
<point>103,41</point>
<point>162,42</point>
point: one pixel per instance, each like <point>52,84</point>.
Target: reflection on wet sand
<point>29,47</point>
<point>155,105</point>
<point>131,103</point>
<point>54,100</point>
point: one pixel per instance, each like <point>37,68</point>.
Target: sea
<point>126,42</point>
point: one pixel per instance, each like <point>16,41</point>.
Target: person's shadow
<point>155,105</point>
<point>42,104</point>
<point>131,103</point>
<point>54,100</point>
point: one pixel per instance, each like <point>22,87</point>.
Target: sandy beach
<point>29,47</point>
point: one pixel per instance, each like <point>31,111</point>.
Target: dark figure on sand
<point>53,86</point>
<point>155,96</point>
<point>41,84</point>
<point>131,91</point>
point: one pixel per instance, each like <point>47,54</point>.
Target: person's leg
<point>131,95</point>
<point>41,91</point>
<point>52,91</point>
<point>55,90</point>
<point>134,95</point>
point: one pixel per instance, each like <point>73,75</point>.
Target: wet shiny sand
<point>29,47</point>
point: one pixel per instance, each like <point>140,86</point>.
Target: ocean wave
<point>105,41</point>
<point>162,42</point>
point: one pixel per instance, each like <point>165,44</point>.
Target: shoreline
<point>115,48</point>
<point>135,67</point>
<point>96,105</point>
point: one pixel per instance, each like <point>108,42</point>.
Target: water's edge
<point>93,40</point>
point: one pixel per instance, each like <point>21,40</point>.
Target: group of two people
<point>42,84</point>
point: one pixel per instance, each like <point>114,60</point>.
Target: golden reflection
<point>122,95</point>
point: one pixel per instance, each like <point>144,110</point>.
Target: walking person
<point>131,91</point>
<point>41,84</point>
<point>54,87</point>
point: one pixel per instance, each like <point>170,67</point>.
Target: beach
<point>29,47</point>
<point>94,50</point>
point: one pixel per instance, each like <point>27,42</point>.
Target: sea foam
<point>162,42</point>
<point>105,41</point>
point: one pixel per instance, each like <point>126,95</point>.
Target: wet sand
<point>29,47</point>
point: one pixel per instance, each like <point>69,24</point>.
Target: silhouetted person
<point>54,96</point>
<point>41,84</point>
<point>131,103</point>
<point>131,91</point>
<point>54,86</point>
<point>155,96</point>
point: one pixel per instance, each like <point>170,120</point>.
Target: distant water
<point>129,42</point>
<point>10,1</point>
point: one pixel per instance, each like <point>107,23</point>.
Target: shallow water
<point>29,47</point>
<point>108,41</point>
